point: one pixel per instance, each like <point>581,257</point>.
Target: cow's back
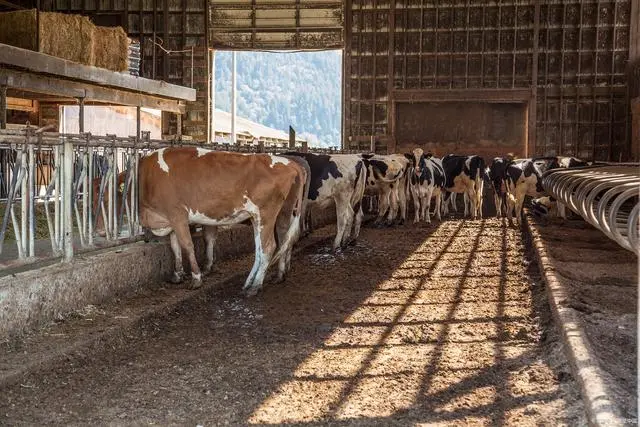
<point>185,179</point>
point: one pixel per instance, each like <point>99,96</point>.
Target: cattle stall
<point>457,321</point>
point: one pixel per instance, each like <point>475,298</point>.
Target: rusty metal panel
<point>276,24</point>
<point>486,129</point>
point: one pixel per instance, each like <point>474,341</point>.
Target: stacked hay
<point>110,48</point>
<point>71,37</point>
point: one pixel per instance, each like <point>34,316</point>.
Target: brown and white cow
<point>180,186</point>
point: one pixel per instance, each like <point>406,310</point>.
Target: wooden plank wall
<point>571,54</point>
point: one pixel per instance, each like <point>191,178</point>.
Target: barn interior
<point>455,322</point>
<point>539,78</point>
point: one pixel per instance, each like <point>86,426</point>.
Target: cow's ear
<point>428,155</point>
<point>409,156</point>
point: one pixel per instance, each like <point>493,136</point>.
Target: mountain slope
<point>281,89</point>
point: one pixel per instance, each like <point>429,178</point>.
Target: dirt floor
<point>433,325</point>
<point>602,283</point>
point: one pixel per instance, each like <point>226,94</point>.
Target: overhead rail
<point>606,196</point>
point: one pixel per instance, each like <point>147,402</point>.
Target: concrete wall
<point>32,298</point>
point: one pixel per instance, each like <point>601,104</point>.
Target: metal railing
<point>65,192</point>
<point>607,197</point>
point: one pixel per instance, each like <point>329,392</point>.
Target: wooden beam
<point>47,64</point>
<point>456,95</point>
<point>39,84</point>
<point>21,104</point>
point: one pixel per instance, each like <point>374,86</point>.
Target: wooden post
<point>292,138</point>
<point>81,115</point>
<point>372,146</point>
<point>305,147</point>
<point>532,107</point>
<point>3,107</point>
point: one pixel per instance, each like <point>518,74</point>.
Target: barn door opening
<point>275,90</point>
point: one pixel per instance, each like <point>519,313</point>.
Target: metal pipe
<point>32,193</point>
<point>89,198</point>
<point>57,218</point>
<point>67,194</point>
<point>233,97</point>
<point>24,201</point>
<point>607,197</point>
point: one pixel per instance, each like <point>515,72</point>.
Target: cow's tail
<point>305,192</point>
<point>479,179</point>
<point>360,186</point>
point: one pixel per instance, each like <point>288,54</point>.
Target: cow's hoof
<point>177,277</point>
<point>195,283</point>
<point>213,269</point>
<point>251,291</point>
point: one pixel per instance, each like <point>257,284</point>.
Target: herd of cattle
<point>185,186</point>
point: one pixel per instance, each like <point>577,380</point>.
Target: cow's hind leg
<point>263,233</point>
<point>178,270</point>
<point>210,236</point>
<point>416,206</point>
<point>183,235</point>
<point>359,215</point>
<point>344,216</point>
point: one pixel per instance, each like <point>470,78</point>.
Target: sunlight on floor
<point>431,335</point>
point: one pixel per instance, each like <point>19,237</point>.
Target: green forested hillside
<point>282,89</point>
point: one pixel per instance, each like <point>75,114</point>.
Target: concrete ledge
<point>31,298</point>
<point>601,410</point>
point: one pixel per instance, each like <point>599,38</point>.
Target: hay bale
<point>67,36</point>
<point>72,37</point>
<point>111,48</point>
<point>18,29</point>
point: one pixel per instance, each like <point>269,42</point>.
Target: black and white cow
<point>544,207</point>
<point>464,174</point>
<point>339,179</point>
<point>387,179</point>
<point>523,179</point>
<point>497,176</point>
<point>426,180</point>
<point>555,162</point>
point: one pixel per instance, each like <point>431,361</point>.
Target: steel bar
<point>31,194</point>
<point>607,197</point>
<point>24,200</point>
<point>67,192</point>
